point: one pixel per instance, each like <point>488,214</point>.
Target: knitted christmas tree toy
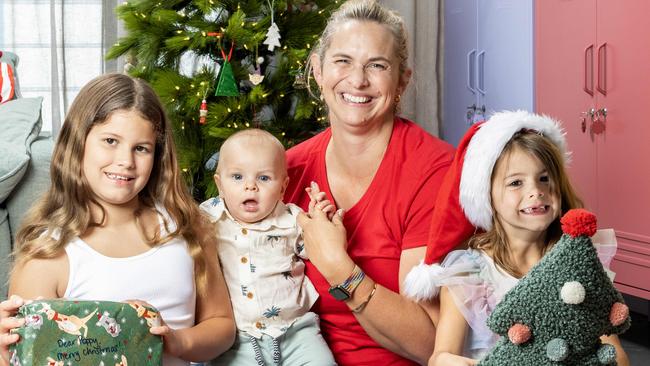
<point>558,311</point>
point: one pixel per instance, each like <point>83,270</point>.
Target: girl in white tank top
<point>117,224</point>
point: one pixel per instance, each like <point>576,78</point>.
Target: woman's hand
<point>450,359</point>
<point>8,309</point>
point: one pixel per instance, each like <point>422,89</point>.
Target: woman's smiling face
<point>359,74</point>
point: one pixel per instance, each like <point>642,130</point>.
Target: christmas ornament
<point>203,112</point>
<point>300,82</point>
<point>226,84</point>
<point>273,34</point>
<point>257,77</point>
<point>211,164</point>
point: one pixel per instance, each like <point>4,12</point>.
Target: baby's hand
<point>318,201</point>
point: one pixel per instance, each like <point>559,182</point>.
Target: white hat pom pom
<point>419,284</point>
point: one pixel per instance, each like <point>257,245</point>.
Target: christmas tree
<point>557,313</point>
<point>247,69</point>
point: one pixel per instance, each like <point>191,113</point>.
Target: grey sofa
<point>32,185</point>
<point>25,156</point>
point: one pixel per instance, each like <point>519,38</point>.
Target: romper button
<point>244,231</point>
<point>259,325</point>
<point>244,259</point>
<point>249,295</point>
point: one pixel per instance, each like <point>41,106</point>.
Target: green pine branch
<point>163,35</point>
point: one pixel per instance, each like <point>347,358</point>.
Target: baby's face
<point>251,178</point>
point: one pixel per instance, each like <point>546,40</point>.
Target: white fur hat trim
<point>483,151</point>
<point>420,282</point>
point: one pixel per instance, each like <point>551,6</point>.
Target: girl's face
<point>359,74</point>
<point>522,197</point>
<point>118,158</point>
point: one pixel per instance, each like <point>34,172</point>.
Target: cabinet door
<point>505,59</point>
<point>565,37</point>
<point>624,146</point>
<point>460,67</point>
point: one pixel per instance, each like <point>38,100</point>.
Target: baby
<point>260,246</point>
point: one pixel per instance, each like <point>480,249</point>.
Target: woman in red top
<point>384,172</point>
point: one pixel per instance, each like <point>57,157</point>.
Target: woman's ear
<point>404,80</point>
<point>316,68</point>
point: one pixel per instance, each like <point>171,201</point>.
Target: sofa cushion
<point>34,184</point>
<point>20,123</point>
<point>8,78</point>
<point>5,251</point>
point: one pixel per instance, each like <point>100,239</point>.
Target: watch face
<point>339,293</point>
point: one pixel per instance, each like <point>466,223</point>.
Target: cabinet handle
<point>469,71</point>
<point>589,65</point>
<point>481,72</point>
<point>600,121</point>
<point>471,111</point>
<point>602,69</point>
<point>583,118</point>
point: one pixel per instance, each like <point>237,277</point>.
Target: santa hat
<point>463,202</point>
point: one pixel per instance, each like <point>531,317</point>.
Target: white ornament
<point>260,60</point>
<point>572,293</point>
<point>255,78</point>
<point>273,37</point>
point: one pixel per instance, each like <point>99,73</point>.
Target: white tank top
<point>162,276</point>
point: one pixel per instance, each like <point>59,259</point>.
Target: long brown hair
<point>64,212</point>
<point>547,152</point>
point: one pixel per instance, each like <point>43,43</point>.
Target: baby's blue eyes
<point>262,178</point>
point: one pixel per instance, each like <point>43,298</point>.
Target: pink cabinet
<point>592,72</point>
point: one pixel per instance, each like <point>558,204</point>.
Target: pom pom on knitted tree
<point>519,333</point>
<point>607,354</point>
<point>579,222</point>
<point>573,293</point>
<point>618,314</point>
<point>557,349</point>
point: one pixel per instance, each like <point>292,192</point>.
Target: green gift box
<point>62,332</point>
